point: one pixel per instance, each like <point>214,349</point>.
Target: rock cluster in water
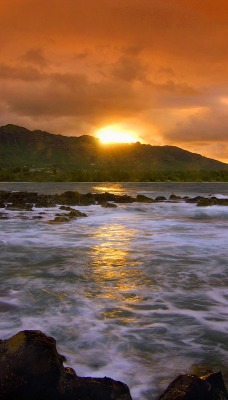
<point>32,369</point>
<point>28,200</point>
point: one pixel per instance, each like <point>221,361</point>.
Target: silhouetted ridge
<point>89,159</point>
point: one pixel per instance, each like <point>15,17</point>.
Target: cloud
<point>129,69</point>
<point>35,56</point>
<point>161,64</point>
<point>8,72</point>
<point>207,126</point>
<point>70,94</point>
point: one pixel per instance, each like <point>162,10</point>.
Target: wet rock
<point>76,214</point>
<point>18,206</point>
<point>192,387</point>
<point>106,197</point>
<point>3,216</point>
<point>174,197</point>
<point>66,208</point>
<point>212,201</point>
<point>45,201</point>
<point>194,199</point>
<point>106,204</point>
<point>58,219</point>
<point>71,198</point>
<point>160,198</point>
<point>31,368</point>
<point>140,198</point>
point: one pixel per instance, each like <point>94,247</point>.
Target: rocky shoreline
<point>32,369</point>
<point>27,201</point>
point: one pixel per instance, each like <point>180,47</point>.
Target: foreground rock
<point>32,369</point>
<point>191,387</point>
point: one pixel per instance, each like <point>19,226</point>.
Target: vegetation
<point>40,156</point>
<point>25,174</point>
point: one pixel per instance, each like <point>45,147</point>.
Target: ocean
<point>137,293</point>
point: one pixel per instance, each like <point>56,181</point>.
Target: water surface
<point>138,293</point>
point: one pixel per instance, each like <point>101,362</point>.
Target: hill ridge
<point>21,147</point>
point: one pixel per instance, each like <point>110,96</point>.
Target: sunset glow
<point>114,134</point>
<point>155,66</point>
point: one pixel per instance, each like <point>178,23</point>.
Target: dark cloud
<point>8,72</point>
<point>129,69</point>
<point>207,126</point>
<point>35,56</point>
<point>73,95</point>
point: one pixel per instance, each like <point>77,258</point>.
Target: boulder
<point>192,387</point>
<point>194,199</point>
<point>106,197</point>
<point>107,204</point>
<point>160,198</point>
<point>140,198</point>
<point>74,198</point>
<point>212,201</point>
<point>32,369</point>
<point>174,197</point>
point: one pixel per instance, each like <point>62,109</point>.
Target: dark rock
<point>66,208</point>
<point>212,201</point>
<point>192,387</point>
<point>160,198</point>
<point>140,198</point>
<point>174,197</point>
<point>17,206</point>
<point>32,369</point>
<point>194,199</point>
<point>71,198</point>
<point>45,201</point>
<point>3,216</point>
<point>218,389</point>
<point>58,219</point>
<point>75,214</point>
<point>106,204</point>
<point>106,197</point>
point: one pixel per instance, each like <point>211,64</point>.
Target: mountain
<point>21,148</point>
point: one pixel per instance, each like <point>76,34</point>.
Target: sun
<point>116,134</point>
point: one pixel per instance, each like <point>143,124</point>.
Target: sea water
<point>137,293</point>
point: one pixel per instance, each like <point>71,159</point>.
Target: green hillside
<point>33,154</point>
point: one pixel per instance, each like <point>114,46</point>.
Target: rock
<point>140,198</point>
<point>194,199</point>
<point>160,198</point>
<point>106,197</point>
<point>58,219</point>
<point>75,214</point>
<point>66,208</point>
<point>3,216</point>
<point>192,387</point>
<point>218,389</point>
<point>32,369</point>
<point>17,206</point>
<point>174,197</point>
<point>71,198</point>
<point>45,201</point>
<point>212,201</point>
<point>106,204</point>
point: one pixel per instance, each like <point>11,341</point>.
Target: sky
<point>158,68</point>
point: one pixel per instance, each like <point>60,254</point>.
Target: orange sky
<point>158,67</point>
